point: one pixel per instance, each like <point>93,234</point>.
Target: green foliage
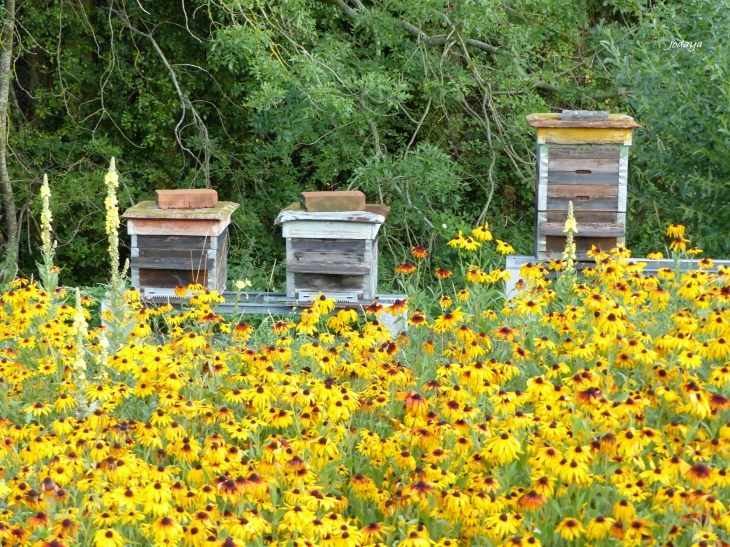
<point>303,95</point>
<point>681,171</point>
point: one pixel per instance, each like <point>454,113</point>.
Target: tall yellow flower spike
<point>571,227</point>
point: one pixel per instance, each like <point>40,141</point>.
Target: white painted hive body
<point>335,253</point>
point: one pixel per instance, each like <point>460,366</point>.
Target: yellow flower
<point>675,230</point>
<point>504,248</point>
<point>678,244</point>
<point>570,529</point>
<point>107,537</point>
<point>482,233</point>
<point>166,528</point>
<point>470,244</point>
<point>448,321</point>
<point>38,409</point>
<point>457,241</point>
<point>192,342</point>
<point>571,226</point>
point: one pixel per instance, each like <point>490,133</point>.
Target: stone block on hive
<point>327,202</point>
<point>186,199</point>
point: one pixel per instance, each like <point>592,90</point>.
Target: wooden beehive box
<point>333,252</point>
<point>586,162</point>
<point>178,246</point>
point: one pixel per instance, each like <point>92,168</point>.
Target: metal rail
<point>273,303</point>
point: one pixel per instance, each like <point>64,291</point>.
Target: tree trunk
<point>6,59</point>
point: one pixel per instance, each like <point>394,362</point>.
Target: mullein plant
<point>78,365</point>
<point>115,317</point>
<point>565,282</point>
<point>571,227</point>
<point>111,204</point>
<point>48,272</point>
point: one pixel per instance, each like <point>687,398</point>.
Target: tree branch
<point>441,39</point>
<point>9,265</point>
<point>185,103</point>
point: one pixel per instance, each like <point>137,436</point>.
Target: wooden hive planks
<point>585,151</point>
<point>343,265</point>
<point>583,161</point>
<point>166,261</point>
<point>172,247</point>
<point>326,282</point>
<point>329,267</point>
<point>593,177</point>
<point>577,165</point>
<point>333,252</point>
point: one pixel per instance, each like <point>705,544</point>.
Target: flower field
<point>585,411</point>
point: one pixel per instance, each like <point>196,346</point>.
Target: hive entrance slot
<point>582,171</point>
<point>582,198</point>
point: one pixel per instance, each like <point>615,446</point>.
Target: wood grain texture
<point>578,191</point>
<point>584,230</point>
<point>196,255</point>
<point>345,268</point>
<point>306,229</point>
<point>300,256</point>
<point>179,242</point>
<point>552,119</point>
<point>594,165</point>
<point>583,135</point>
<point>328,282</point>
<point>599,204</point>
<point>582,244</point>
<point>169,279</point>
<point>158,227</point>
<point>583,217</point>
<point>586,151</point>
<point>573,177</point>
<point>171,263</point>
<point>222,273</point>
<point>328,245</point>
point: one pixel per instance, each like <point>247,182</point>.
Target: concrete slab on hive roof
<point>149,210</point>
<point>327,202</point>
<point>613,121</point>
<point>373,214</point>
<point>198,198</point>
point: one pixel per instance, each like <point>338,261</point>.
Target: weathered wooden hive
<point>332,246</point>
<point>582,157</point>
<point>180,239</point>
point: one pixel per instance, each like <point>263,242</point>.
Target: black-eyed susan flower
<point>419,252</point>
<point>570,529</point>
<point>405,268</point>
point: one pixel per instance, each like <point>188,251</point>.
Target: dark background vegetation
<point>418,103</point>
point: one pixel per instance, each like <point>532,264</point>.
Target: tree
<point>9,267</point>
<point>681,95</point>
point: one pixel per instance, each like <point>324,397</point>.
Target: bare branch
<point>185,103</point>
<point>11,214</point>
<point>442,39</point>
<point>344,8</point>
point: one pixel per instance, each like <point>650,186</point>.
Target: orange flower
<point>419,252</point>
<point>405,268</point>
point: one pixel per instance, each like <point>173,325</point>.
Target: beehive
<point>334,252</point>
<point>585,161</point>
<point>180,246</point>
